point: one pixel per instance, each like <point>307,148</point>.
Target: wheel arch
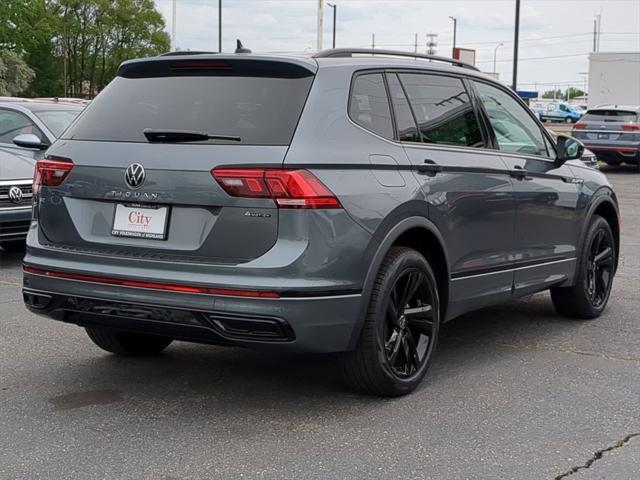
<point>606,206</point>
<point>416,232</point>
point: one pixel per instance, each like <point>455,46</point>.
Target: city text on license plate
<point>140,222</point>
<point>603,136</point>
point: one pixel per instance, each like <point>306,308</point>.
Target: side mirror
<point>29,140</point>
<point>568,149</point>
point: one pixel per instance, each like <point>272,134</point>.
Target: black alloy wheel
<point>408,328</point>
<point>400,331</point>
<point>595,268</point>
<point>600,265</point>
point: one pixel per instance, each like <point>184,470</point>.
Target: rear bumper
<point>313,324</point>
<point>618,153</point>
<point>14,223</point>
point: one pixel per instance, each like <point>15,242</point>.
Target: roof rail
<point>349,52</point>
<point>184,52</point>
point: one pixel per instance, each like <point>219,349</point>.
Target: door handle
<point>518,172</point>
<point>429,167</point>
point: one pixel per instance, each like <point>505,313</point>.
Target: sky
<point>556,36</point>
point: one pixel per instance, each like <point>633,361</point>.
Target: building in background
<point>614,78</point>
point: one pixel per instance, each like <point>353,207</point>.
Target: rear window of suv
<point>610,116</point>
<point>261,110</point>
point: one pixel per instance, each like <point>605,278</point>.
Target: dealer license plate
<point>140,222</point>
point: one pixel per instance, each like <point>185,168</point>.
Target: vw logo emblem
<point>134,175</point>
<point>15,195</point>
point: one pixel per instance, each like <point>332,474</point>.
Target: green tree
<point>28,27</point>
<point>553,94</point>
<point>75,46</point>
<point>573,93</point>
<point>15,74</point>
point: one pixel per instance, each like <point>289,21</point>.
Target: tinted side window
<point>13,124</point>
<point>406,124</point>
<point>516,131</point>
<point>369,105</point>
<point>442,109</point>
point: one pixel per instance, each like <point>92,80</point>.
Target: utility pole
<point>599,23</point>
<point>455,29</point>
<point>431,43</point>
<point>335,7</point>
<point>584,90</point>
<point>173,24</point>
<point>516,38</point>
<point>320,25</point>
<point>415,45</point>
<point>219,25</point>
<point>495,54</point>
<point>595,35</point>
<point>373,41</point>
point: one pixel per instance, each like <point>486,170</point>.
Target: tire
<point>396,346</point>
<point>127,343</point>
<point>568,120</point>
<point>588,297</point>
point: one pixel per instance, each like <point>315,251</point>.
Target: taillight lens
<point>580,126</point>
<point>287,188</point>
<point>631,128</point>
<point>50,172</point>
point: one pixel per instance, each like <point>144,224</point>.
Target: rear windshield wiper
<point>154,135</point>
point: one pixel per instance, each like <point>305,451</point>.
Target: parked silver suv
<point>350,201</point>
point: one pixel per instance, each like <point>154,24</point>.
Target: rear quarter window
<point>261,110</point>
<point>369,104</point>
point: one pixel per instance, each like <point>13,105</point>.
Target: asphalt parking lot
<point>515,392</point>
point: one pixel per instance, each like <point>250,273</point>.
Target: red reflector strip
<point>626,149</point>
<point>151,285</point>
<point>580,126</point>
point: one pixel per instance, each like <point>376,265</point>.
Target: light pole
<point>335,7</point>
<point>173,25</point>
<point>516,37</point>
<point>319,26</point>
<point>455,28</point>
<point>495,54</point>
<point>220,26</point>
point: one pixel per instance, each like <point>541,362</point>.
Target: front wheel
<point>594,275</point>
<point>568,120</point>
<point>401,327</point>
<point>127,343</point>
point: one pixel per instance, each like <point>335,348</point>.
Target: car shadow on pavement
<point>621,169</point>
<point>11,258</point>
<point>200,379</point>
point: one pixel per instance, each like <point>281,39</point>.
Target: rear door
<point>467,187</point>
<point>547,217</point>
<point>121,181</point>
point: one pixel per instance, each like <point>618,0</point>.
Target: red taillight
<point>151,285</point>
<point>631,128</point>
<point>287,188</point>
<point>50,173</point>
<point>580,126</point>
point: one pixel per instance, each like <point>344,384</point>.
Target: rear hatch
<point>603,125</point>
<point>137,194</point>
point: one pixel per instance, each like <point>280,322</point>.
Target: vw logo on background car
<point>15,195</point>
<point>134,175</point>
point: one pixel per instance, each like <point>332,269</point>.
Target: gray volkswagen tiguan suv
<point>350,201</point>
